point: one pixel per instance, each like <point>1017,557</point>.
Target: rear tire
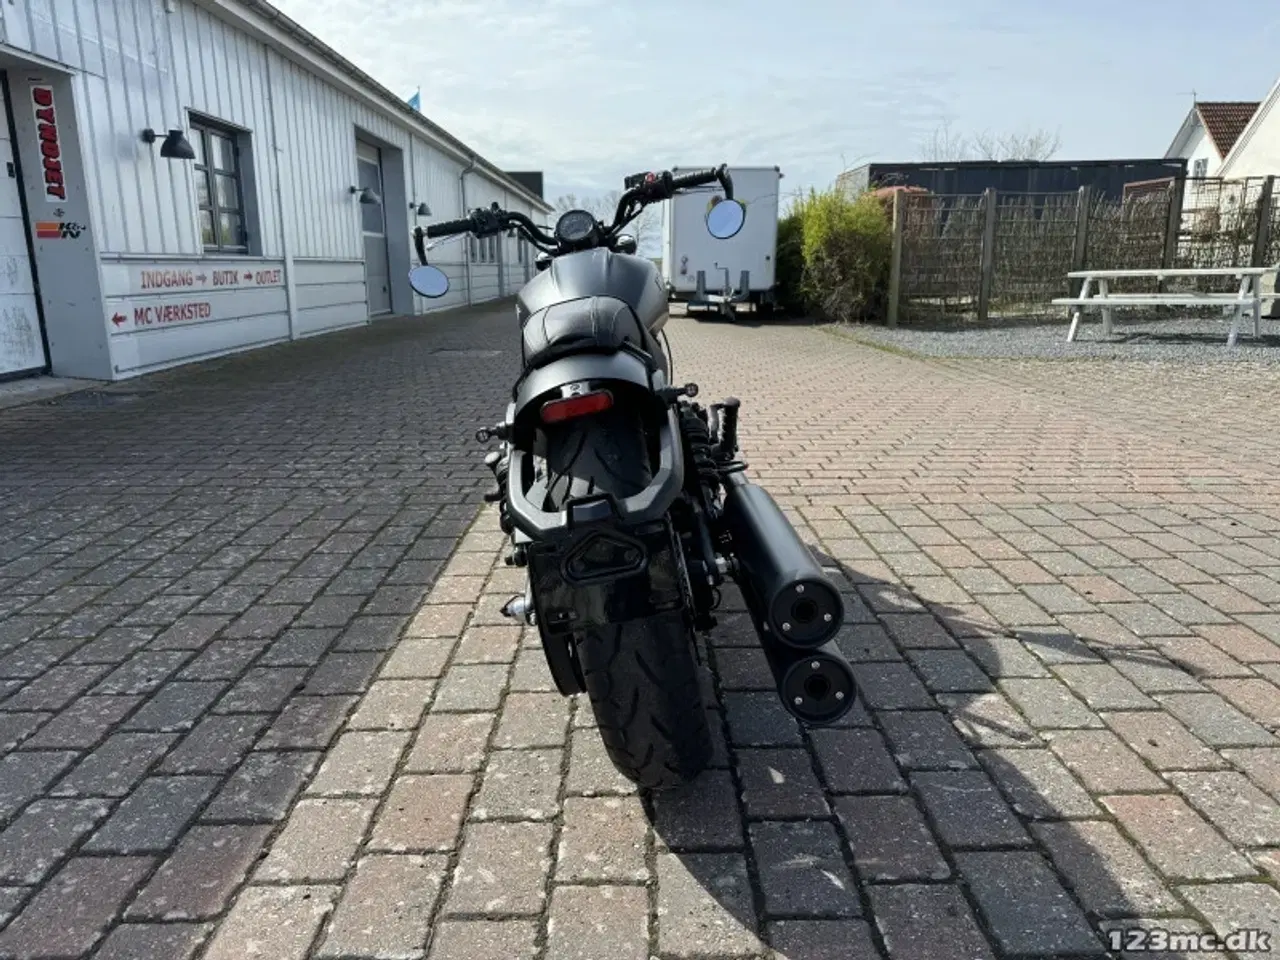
<point>641,676</point>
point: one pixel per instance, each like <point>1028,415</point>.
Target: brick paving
<point>255,699</point>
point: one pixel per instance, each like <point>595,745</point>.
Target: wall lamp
<point>175,146</point>
<point>421,209</point>
<point>366,195</point>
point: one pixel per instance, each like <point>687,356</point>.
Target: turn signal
<point>557,411</point>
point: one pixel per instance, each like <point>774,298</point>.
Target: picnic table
<point>1096,294</point>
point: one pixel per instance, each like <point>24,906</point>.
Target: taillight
<point>557,411</point>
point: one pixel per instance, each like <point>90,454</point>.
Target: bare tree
<point>946,145</point>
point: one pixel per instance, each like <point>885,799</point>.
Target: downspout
<point>466,250</point>
<point>286,245</point>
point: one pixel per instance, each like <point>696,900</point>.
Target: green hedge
<point>833,256</point>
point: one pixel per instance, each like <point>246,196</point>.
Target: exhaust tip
<point>807,613</point>
<point>818,689</point>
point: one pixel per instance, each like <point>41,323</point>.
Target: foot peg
<point>519,608</point>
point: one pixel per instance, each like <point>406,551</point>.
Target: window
<point>493,249</point>
<point>1200,168</point>
<point>219,188</point>
<point>475,255</point>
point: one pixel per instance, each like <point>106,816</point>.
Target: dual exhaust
<point>793,606</point>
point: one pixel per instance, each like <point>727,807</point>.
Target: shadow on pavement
<point>933,822</point>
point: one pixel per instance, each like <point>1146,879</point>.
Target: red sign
<point>55,185</point>
<point>170,313</point>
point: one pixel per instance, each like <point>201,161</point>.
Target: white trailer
<point>719,274</point>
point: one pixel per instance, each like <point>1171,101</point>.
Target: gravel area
<point>1191,340</point>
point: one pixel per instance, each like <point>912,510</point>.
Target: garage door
<point>21,346</point>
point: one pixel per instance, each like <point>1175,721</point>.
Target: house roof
<point>1225,120</point>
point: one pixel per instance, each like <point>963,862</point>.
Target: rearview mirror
<point>725,219</point>
<point>431,282</point>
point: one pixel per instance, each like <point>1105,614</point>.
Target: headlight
<point>575,226</point>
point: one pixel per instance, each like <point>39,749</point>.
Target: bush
<point>833,256</point>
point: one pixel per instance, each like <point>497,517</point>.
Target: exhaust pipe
<point>815,685</point>
<point>799,606</point>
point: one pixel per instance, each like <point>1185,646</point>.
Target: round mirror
<point>725,219</point>
<point>429,281</point>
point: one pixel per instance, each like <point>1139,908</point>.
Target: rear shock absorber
<point>728,419</point>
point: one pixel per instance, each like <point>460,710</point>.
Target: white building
<point>1208,133</point>
<point>1256,152</point>
<point>118,260</point>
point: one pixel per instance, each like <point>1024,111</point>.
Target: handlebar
<point>642,190</point>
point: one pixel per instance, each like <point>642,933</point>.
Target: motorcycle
<point>626,502</point>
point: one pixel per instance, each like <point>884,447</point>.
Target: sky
<point>590,90</point>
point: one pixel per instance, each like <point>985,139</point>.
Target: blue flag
<point>416,100</point>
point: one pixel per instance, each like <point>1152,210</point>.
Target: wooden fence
<point>992,255</point>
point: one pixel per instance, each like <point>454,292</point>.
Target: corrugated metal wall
<point>141,67</point>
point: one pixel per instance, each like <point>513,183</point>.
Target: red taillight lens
<point>557,411</point>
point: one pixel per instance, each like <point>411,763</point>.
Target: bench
<point>1247,296</point>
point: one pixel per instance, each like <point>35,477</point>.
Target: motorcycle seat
<point>589,324</point>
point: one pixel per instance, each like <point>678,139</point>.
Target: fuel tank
<point>598,273</point>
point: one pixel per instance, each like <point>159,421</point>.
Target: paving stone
<point>988,720</point>
<point>306,723</point>
<point>917,630</point>
<point>116,766</point>
<point>866,643</point>
<point>925,740</point>
<point>216,745</point>
<point>702,817</point>
<point>519,783</point>
<point>1240,643</point>
<point>173,708</point>
<point>71,912</point>
<point>586,923</point>
<point>450,743</point>
<point>890,839</point>
<point>603,839</point>
<point>471,688</point>
<point>1245,815</point>
<point>891,686</point>
<point>1151,672</point>
<point>392,705</point>
<point>1054,646</point>
<point>705,906</point>
<point>484,940</point>
<point>343,673</point>
<point>1103,687</point>
<point>950,671</point>
<point>262,690</point>
<point>386,908</point>
<point>276,922</point>
<point>1162,741</point>
<point>1200,658</point>
<point>1231,907</point>
<point>1260,763</point>
<point>198,879</point>
<point>57,687</point>
<point>1048,704</point>
<point>1103,762</point>
<point>113,645</point>
<point>154,941</point>
<point>780,783</point>
<point>967,810</point>
<point>298,647</point>
<point>422,814</point>
<point>760,720</point>
<point>822,940</point>
<point>1027,908</point>
<point>368,632</point>
<point>361,762</point>
<point>222,660</point>
<point>856,761</point>
<point>488,644</point>
<point>1256,698</point>
<point>1175,838</point>
<point>531,673</point>
<point>1037,784</point>
<point>81,724</point>
<point>591,772</point>
<point>517,886</point>
<point>45,832</point>
<point>153,816</point>
<point>802,871</point>
<point>533,720</point>
<point>262,788</point>
<point>1215,721</point>
<point>1104,870</point>
<point>319,841</point>
<point>927,921</point>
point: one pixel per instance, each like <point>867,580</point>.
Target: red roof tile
<point>1225,121</point>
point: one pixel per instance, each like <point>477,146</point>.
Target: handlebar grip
<point>449,227</point>
<point>695,179</point>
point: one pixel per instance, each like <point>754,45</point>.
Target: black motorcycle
<point>626,500</point>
